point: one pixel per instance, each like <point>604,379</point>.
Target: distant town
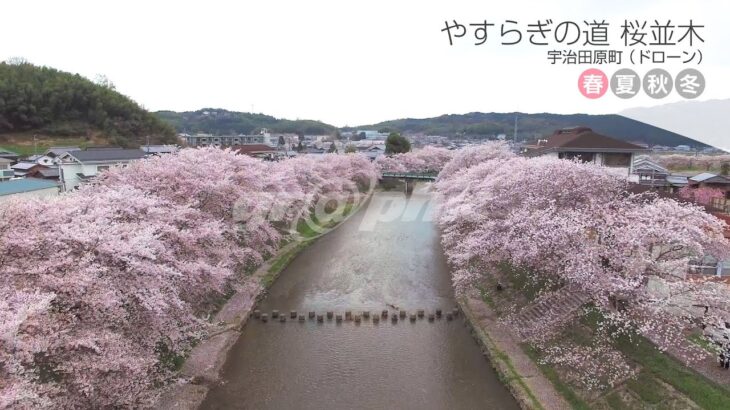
<point>65,168</point>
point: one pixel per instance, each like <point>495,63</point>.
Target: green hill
<point>58,104</point>
<point>221,122</point>
<point>533,125</point>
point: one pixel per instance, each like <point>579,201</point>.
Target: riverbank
<point>203,366</point>
<point>517,371</point>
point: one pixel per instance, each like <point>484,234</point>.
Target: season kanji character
<point>625,84</point>
<point>657,83</point>
<point>592,83</point>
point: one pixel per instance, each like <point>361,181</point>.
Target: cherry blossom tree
<point>576,226</point>
<point>701,196</point>
<point>684,162</point>
<point>427,159</point>
<point>102,290</point>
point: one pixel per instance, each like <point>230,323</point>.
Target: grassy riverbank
<point>661,381</point>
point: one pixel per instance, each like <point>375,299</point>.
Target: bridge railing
<point>409,175</point>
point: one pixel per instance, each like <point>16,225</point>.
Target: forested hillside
<point>533,125</point>
<point>222,122</point>
<point>61,104</point>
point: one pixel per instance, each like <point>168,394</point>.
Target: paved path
<point>523,372</point>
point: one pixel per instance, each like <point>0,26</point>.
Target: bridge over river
<point>403,365</point>
<point>416,176</point>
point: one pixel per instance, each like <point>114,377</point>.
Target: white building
<point>44,160</point>
<point>6,172</point>
<point>78,166</point>
<point>210,140</point>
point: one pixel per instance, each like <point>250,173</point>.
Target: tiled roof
<point>583,138</point>
<point>107,154</point>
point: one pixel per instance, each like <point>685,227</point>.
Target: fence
<point>722,204</point>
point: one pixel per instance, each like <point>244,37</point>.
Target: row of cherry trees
<point>703,162</point>
<point>101,289</point>
<point>576,226</point>
<point>427,159</point>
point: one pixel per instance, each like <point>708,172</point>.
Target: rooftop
<point>708,177</point>
<point>56,151</point>
<point>18,186</point>
<point>25,165</point>
<point>159,149</point>
<point>254,149</point>
<point>107,154</point>
<point>583,139</point>
<point>8,154</point>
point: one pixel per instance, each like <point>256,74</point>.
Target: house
<point>372,152</point>
<point>160,149</point>
<point>23,168</point>
<point>78,166</point>
<point>585,145</point>
<point>315,151</point>
<point>9,155</point>
<point>55,152</point>
<point>648,172</point>
<point>27,188</point>
<point>6,172</point>
<point>709,180</point>
<point>209,140</point>
<point>676,182</point>
<point>47,173</point>
<point>257,150</point>
<point>40,159</point>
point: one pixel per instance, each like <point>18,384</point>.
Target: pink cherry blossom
<point>98,286</point>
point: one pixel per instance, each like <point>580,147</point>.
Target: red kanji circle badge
<point>593,83</point>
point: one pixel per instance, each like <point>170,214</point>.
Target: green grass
<point>281,262</point>
<point>486,298</point>
<point>648,388</point>
<point>704,392</point>
<point>523,281</point>
<point>704,343</point>
<point>615,402</point>
<point>699,389</point>
<point>515,376</point>
<point>575,401</point>
<point>305,229</point>
<point>43,145</point>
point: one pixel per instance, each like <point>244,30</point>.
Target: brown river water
<point>403,365</point>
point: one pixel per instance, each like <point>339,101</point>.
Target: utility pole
<point>35,144</point>
<point>514,137</point>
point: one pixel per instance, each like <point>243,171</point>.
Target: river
<point>403,365</point>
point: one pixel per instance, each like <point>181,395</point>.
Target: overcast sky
<point>337,61</point>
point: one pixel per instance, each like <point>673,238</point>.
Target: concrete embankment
<point>516,370</point>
